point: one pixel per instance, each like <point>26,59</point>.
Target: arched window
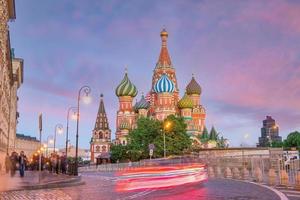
<point>100,135</point>
<point>97,148</point>
<point>103,148</point>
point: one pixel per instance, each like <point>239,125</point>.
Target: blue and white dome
<point>164,84</point>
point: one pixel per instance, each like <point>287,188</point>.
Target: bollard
<point>227,173</point>
<point>236,173</point>
<point>245,173</point>
<point>284,179</point>
<point>211,173</point>
<point>272,177</point>
<point>219,172</point>
<point>258,175</point>
<point>297,183</point>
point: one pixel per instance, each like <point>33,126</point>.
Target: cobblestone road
<point>101,186</point>
<point>53,194</point>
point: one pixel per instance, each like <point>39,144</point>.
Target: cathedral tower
<point>193,90</point>
<point>163,67</point>
<point>100,142</point>
<point>126,118</point>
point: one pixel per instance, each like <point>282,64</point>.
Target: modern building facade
<point>269,132</point>
<point>101,136</point>
<point>162,100</point>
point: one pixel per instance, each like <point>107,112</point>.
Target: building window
<point>97,148</point>
<point>103,148</point>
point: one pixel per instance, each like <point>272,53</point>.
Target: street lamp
<point>86,98</point>
<point>166,126</point>
<point>59,130</point>
<point>67,133</point>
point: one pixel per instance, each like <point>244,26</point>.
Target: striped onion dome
<point>185,102</point>
<point>164,84</point>
<point>125,125</point>
<point>193,87</point>
<point>142,104</point>
<point>126,88</point>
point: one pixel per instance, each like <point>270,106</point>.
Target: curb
<point>277,192</point>
<point>54,184</point>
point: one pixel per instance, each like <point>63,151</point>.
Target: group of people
<point>57,163</point>
<point>16,162</point>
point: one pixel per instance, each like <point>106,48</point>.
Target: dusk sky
<point>244,54</point>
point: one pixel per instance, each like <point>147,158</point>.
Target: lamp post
<point>58,127</point>
<point>167,125</point>
<point>87,91</point>
<point>67,133</point>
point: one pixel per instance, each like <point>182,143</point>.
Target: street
<point>102,186</point>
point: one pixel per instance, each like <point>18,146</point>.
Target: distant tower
<point>269,132</point>
<point>101,139</point>
<point>163,67</point>
<point>193,90</point>
<point>126,116</point>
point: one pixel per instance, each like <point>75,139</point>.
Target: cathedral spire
<point>164,59</point>
<point>101,121</point>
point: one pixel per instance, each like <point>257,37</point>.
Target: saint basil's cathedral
<point>162,100</point>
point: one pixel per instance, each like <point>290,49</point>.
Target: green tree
<point>147,132</point>
<point>292,140</point>
<point>118,153</point>
<point>177,140</point>
<point>204,137</point>
<point>150,131</point>
<point>213,135</point>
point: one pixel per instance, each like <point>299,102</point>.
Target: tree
<point>150,131</point>
<point>147,132</point>
<point>292,140</point>
<point>177,140</point>
<point>118,153</point>
<point>213,135</point>
<point>204,137</point>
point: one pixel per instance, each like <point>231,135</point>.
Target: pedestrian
<point>63,162</point>
<point>22,163</point>
<point>13,162</point>
<point>7,163</point>
<point>57,168</point>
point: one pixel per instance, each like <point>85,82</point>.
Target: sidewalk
<point>33,180</point>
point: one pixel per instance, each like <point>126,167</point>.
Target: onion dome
<point>126,88</point>
<point>193,87</point>
<point>185,102</point>
<point>164,84</point>
<point>142,104</point>
<point>125,125</point>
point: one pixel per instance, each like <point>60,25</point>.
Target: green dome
<point>185,102</point>
<point>193,87</point>
<point>142,104</point>
<point>126,88</point>
<point>125,125</point>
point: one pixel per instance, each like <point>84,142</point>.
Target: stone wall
<point>5,76</point>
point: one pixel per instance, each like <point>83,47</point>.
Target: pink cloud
<point>268,80</point>
<point>284,15</point>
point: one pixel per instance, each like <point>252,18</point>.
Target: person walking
<point>7,163</point>
<point>13,163</point>
<point>22,163</point>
